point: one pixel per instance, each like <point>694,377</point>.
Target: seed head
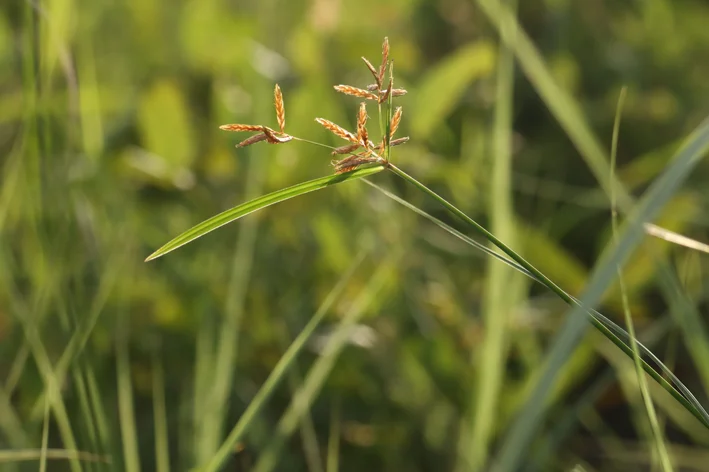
<point>338,130</point>
<point>345,149</point>
<point>374,72</point>
<point>352,162</point>
<point>362,135</point>
<point>385,60</point>
<point>384,96</point>
<point>253,139</point>
<point>238,127</point>
<point>354,91</point>
<point>395,120</point>
<point>274,137</point>
<point>280,108</point>
<point>397,142</point>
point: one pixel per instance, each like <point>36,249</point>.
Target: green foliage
<point>110,147</point>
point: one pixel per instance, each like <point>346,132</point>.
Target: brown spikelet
<point>344,169</point>
<point>362,135</point>
<point>357,92</point>
<point>374,72</point>
<point>237,127</point>
<point>345,149</point>
<point>337,130</point>
<point>384,96</point>
<point>352,162</point>
<point>346,160</point>
<point>398,92</point>
<point>276,138</point>
<point>385,59</point>
<point>395,120</point>
<point>280,108</point>
<point>397,142</point>
<point>373,87</point>
<point>253,139</point>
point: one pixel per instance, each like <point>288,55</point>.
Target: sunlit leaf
<point>257,204</point>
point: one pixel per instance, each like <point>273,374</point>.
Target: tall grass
<point>181,363</point>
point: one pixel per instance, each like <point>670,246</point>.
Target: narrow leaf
<point>257,204</point>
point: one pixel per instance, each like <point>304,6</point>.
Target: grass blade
<point>220,375</point>
<point>502,287</point>
<point>320,370</point>
<point>257,204</point>
<point>615,333</point>
<point>688,156</point>
<point>558,100</point>
<point>162,451</point>
<point>333,442</point>
<point>642,381</point>
<point>126,410</point>
<point>279,371</point>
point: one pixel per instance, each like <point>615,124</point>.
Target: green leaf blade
<point>256,204</point>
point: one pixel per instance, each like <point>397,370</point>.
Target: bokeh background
<point>109,145</point>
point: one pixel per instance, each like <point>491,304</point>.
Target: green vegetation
<point>337,331</point>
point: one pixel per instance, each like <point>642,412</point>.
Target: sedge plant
<point>363,157</point>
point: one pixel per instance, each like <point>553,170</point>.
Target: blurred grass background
<point>110,147</point>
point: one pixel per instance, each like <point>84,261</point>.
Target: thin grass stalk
<point>204,362</point>
<point>126,409</point>
<point>44,365</point>
<point>82,333</point>
<point>222,372</point>
<point>616,334</point>
<point>322,368</point>
<point>22,455</point>
<point>658,437</point>
<point>45,438</point>
<point>279,371</point>
<point>162,451</point>
<point>603,324</point>
<point>86,413</point>
<point>662,189</point>
<point>560,103</point>
<point>309,439</point>
<point>10,422</point>
<point>97,407</point>
<point>500,282</point>
<point>333,442</point>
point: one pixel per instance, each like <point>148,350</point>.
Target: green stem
<point>486,234</point>
<point>601,323</point>
<point>657,434</point>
